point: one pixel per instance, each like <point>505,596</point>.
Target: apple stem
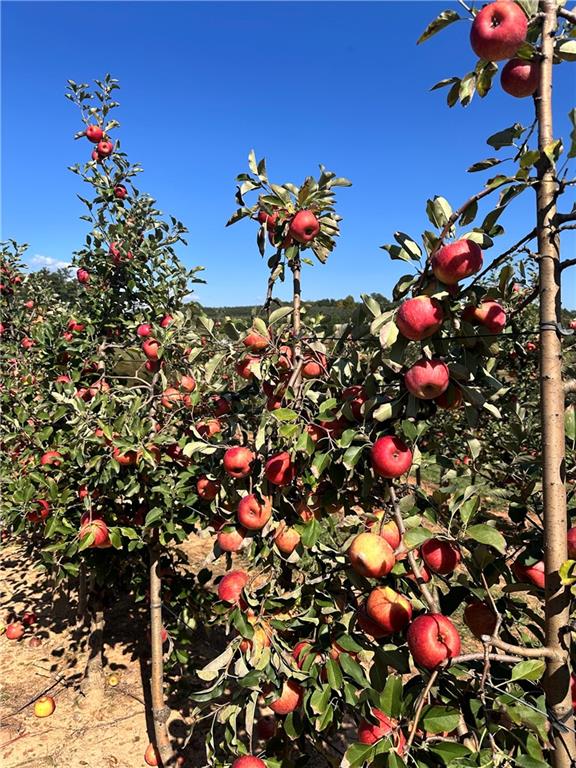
<point>557,598</point>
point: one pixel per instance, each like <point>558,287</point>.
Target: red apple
<point>99,530</point>
<point>94,133</point>
<point>249,761</point>
<point>266,728</point>
<point>51,458</point>
<point>166,321</point>
<point>286,538</point>
<point>144,330</point>
<point>391,611</point>
<point>389,531</point>
<point>272,234</point>
<point>390,457</point>
<point>370,733</point>
<point>253,514</point>
<point>37,515</point>
<point>368,627</point>
<point>231,539</point>
<point>120,192</point>
<point>419,318</point>
<point>450,399</point>
<point>279,469</point>
<point>231,586</point>
<point>83,276</point>
<point>432,639</point>
<point>15,630</point>
<point>28,618</point>
<point>534,574</point>
<point>498,31</point>
<point>572,543</point>
<point>314,366</point>
<point>356,396</point>
<point>237,461</point>
<point>126,458</point>
<point>208,427</point>
<point>480,619</point>
<point>290,698</point>
<point>244,366</point>
<point>150,347</point>
<point>304,227</point>
<point>171,397</point>
<point>520,78</point>
<point>427,379</point>
<point>371,556</point>
<point>440,556</point>
<point>255,341</point>
<point>207,489</point>
<point>27,343</point>
<point>488,313</point>
<point>456,261</point>
<point>187,382</point>
<point>151,756</point>
<point>104,149</point>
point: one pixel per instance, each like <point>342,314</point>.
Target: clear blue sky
<point>338,83</point>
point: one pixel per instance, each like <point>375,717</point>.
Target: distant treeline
<point>333,311</point>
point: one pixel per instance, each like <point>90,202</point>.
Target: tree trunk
<point>557,678</point>
<point>92,687</point>
<point>160,711</point>
<point>297,359</point>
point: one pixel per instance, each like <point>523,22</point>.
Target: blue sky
<point>303,83</point>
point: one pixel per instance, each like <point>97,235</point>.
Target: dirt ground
<point>118,734</point>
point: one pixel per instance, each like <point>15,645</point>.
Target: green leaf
<point>371,304</point>
<point>449,751</point>
<point>570,422</point>
<point>285,414</point>
<point>486,534</point>
<point>320,699</point>
<point>506,137</point>
<point>566,50</point>
<point>390,700</point>
<point>438,211</point>
<point>482,165</point>
<point>572,118</point>
<point>353,670</point>
<point>383,412</point>
<point>211,670</point>
<point>531,669</point>
<point>358,755</point>
<point>441,21</point>
<point>409,245</point>
<point>334,674</point>
<point>437,719</point>
<point>352,455</point>
<point>416,536</point>
<point>279,314</point>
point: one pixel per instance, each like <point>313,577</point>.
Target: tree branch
<point>429,599</point>
<point>568,15</point>
<point>419,708</point>
<point>527,653</point>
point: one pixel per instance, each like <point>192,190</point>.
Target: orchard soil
<point>116,735</point>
